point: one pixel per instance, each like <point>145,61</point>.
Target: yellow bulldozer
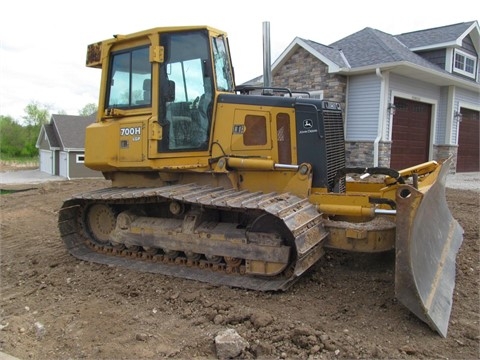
<point>212,183</point>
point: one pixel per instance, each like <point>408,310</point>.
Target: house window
<point>465,64</point>
<point>314,94</point>
<point>80,159</point>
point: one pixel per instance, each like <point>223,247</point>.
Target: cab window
<point>185,91</point>
<point>129,83</point>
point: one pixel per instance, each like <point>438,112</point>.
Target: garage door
<point>468,159</point>
<point>63,164</point>
<point>46,161</point>
<point>410,133</point>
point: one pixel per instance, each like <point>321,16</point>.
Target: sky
<point>43,43</point>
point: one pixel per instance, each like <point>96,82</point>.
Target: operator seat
<point>147,91</point>
<point>178,116</point>
<point>202,123</point>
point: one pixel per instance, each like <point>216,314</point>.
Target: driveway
<point>30,176</point>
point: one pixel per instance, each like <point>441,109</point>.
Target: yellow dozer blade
<point>427,242</point>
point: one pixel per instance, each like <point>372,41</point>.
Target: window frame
<point>80,158</point>
<point>462,70</point>
<point>133,89</point>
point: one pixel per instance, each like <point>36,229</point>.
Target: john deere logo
<point>308,127</point>
<point>307,124</point>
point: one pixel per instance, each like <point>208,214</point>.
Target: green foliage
<point>19,140</point>
<point>12,137</point>
<point>88,109</point>
<point>37,115</point>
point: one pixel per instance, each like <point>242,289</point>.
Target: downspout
<point>380,117</point>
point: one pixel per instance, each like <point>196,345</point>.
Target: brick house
<point>407,98</point>
<point>61,147</point>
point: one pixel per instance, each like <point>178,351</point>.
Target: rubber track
<point>297,214</point>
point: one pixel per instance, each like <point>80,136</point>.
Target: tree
<point>88,109</point>
<point>20,138</point>
<point>37,114</point>
<point>12,137</point>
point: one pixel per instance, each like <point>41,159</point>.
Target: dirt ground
<point>54,306</point>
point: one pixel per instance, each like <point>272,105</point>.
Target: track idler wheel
<point>100,220</point>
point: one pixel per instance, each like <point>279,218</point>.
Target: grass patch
<point>6,191</point>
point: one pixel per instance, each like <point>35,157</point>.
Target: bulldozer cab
<point>185,118</point>
<point>187,85</point>
<point>175,75</point>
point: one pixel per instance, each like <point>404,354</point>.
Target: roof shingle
<point>71,130</point>
<point>370,47</point>
<point>52,137</point>
<point>430,37</point>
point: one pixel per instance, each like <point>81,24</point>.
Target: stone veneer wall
<point>302,71</point>
<point>441,152</point>
<point>360,153</point>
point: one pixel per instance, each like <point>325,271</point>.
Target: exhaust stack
<point>267,67</point>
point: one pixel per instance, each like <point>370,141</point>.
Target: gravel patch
<point>464,181</point>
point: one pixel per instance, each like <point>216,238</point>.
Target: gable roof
<point>51,136</point>
<point>370,50</point>
<point>374,47</point>
<point>449,35</point>
<point>48,133</point>
<point>328,55</point>
<point>70,130</point>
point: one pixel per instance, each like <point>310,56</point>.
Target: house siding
<point>437,57</point>
<point>44,145</point>
<point>418,89</point>
<point>361,124</point>
<point>79,170</point>
<point>363,108</point>
<point>440,129</point>
<point>467,98</point>
<point>444,145</point>
<point>468,46</point>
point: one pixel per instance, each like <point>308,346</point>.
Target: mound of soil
<point>54,306</point>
